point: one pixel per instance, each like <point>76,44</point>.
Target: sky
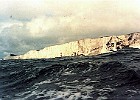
<point>34,24</point>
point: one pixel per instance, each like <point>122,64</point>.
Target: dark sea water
<point>114,76</point>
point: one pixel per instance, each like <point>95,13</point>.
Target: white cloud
<point>41,26</point>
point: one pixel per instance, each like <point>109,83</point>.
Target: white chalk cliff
<point>85,47</point>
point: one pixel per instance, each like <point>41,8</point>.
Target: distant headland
<point>88,46</point>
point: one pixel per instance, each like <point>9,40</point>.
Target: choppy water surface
<point>109,76</point>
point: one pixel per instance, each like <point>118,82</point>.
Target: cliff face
<point>84,47</point>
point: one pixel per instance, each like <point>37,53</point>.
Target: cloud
<point>38,23</point>
<point>21,9</point>
<point>17,39</point>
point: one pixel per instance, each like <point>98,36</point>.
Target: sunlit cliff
<point>89,46</point>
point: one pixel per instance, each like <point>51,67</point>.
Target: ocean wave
<point>107,76</point>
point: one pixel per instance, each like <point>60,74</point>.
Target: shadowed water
<point>114,76</point>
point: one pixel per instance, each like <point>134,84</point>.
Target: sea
<point>109,76</point>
